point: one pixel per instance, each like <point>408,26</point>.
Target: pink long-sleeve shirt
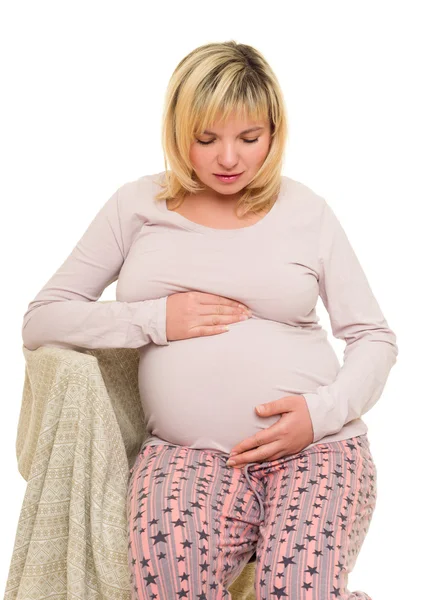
<point>202,392</point>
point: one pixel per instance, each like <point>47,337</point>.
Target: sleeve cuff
<point>151,318</point>
<point>159,334</point>
<point>321,421</point>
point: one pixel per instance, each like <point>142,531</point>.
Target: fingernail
<point>233,453</point>
<point>261,408</point>
<point>230,462</point>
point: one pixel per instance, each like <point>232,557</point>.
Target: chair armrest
<point>119,370</point>
<point>80,429</point>
<point>72,443</point>
<point>47,374</point>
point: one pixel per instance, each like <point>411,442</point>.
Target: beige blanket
<point>80,428</point>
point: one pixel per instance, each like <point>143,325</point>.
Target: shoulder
<point>137,196</point>
<point>303,204</point>
<point>301,194</point>
<point>131,206</point>
<point>142,189</point>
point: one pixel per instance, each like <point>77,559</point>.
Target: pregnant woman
<point>220,262</point>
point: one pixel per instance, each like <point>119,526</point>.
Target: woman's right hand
<point>194,314</point>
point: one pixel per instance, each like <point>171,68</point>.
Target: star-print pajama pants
<point>194,522</point>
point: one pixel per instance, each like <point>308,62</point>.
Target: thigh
<point>319,506</point>
<point>192,523</point>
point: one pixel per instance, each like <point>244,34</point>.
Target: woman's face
<point>230,149</point>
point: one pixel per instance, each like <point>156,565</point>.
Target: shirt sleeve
<point>65,313</point>
<point>355,317</point>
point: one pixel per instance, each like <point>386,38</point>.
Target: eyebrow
<point>245,131</point>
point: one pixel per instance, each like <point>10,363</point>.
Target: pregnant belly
<point>202,392</point>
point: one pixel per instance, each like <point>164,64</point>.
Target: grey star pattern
<point>194,522</point>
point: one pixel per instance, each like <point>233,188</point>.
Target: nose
<point>228,157</point>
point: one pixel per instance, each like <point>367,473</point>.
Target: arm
<point>65,312</point>
<point>355,317</point>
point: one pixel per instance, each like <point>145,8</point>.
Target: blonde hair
<point>221,79</point>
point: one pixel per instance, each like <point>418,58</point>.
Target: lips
<point>227,174</point>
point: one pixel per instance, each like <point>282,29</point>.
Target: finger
<point>224,312</point>
<point>207,298</point>
<point>253,442</point>
<point>266,436</point>
<point>261,454</point>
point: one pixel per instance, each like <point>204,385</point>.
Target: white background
<point>83,86</point>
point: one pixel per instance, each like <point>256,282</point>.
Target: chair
<point>80,429</point>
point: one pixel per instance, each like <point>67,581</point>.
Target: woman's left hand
<point>289,435</point>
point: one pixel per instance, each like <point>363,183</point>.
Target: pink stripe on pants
<point>194,522</point>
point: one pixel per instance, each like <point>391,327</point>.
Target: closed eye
<point>211,142</point>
